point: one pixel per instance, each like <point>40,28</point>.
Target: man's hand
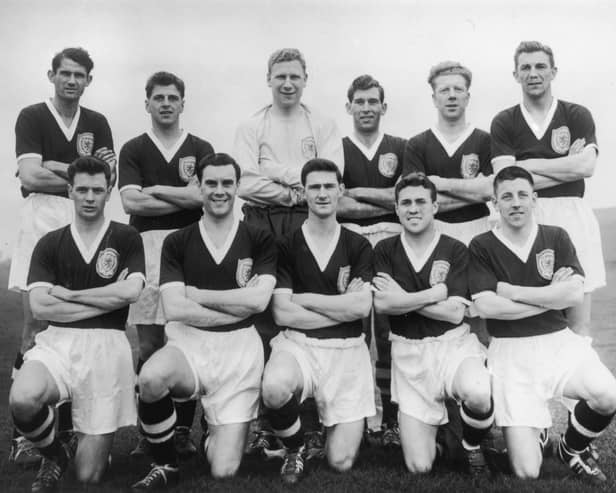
<point>562,274</point>
<point>384,282</point>
<point>506,290</point>
<point>356,285</point>
<point>107,155</point>
<point>253,281</point>
<point>437,180</point>
<point>298,195</point>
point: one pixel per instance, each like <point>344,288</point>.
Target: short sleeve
<point>42,266</point>
<point>382,259</point>
<point>172,260</point>
<point>284,276</point>
<point>502,145</point>
<point>135,256</point>
<point>363,264</point>
<point>28,138</point>
<point>129,171</point>
<point>204,148</point>
<point>583,126</point>
<point>266,254</point>
<point>566,255</point>
<point>481,276</point>
<point>457,277</point>
<point>104,137</point>
<point>414,160</point>
<point>485,154</point>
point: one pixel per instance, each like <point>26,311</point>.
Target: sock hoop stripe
<point>292,430</point>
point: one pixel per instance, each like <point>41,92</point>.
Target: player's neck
<point>218,228</point>
<point>452,129</point>
<point>65,108</point>
<point>167,135</point>
<point>286,112</point>
<point>321,226</point>
<point>88,229</point>
<point>367,139</point>
<point>538,107</point>
<point>517,236</point>
<point>419,242</point>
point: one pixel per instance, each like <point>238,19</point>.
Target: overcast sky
<point>220,49</point>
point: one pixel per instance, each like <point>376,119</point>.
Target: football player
<point>522,277</point>
<point>421,283</point>
<point>82,278</point>
<point>321,296</point>
<point>554,140</point>
<point>372,165</point>
<point>216,274</point>
<point>49,136</point>
<point>159,190</point>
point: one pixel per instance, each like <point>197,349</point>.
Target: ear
<point>383,108</point>
<point>146,104</point>
<point>182,106</point>
<point>88,80</point>
<point>435,207</point>
<point>268,79</point>
<point>347,105</point>
<point>341,188</point>
<point>50,75</point>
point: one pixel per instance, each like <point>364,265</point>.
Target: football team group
<point>469,257</point>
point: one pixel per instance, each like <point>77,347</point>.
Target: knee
<point>526,469</point>
<point>477,397</point>
<point>226,469</point>
<point>341,462</point>
<point>275,389</point>
<point>90,473</point>
<point>24,400</point>
<point>151,383</point>
<point>418,465</point>
<point>603,400</point>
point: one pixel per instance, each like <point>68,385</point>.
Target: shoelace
<point>49,472</point>
<point>293,463</point>
<point>154,474</point>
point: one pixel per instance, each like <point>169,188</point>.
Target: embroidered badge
<point>388,164</point>
<point>309,148</point>
<point>577,146</point>
<point>439,271</point>
<point>344,275</point>
<point>186,167</point>
<point>85,143</point>
<point>469,165</point>
<point>561,139</point>
<point>243,272</point>
<point>107,263</point>
<point>545,263</point>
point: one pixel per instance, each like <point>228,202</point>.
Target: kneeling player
<point>421,284</point>
<point>322,296</point>
<point>216,274</point>
<point>82,279</point>
<point>522,276</point>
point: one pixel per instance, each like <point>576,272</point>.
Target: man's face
<point>287,80</point>
<point>366,109</point>
<point>534,73</point>
<point>218,188</point>
<point>415,209</point>
<point>165,105</point>
<point>515,201</point>
<point>450,96</point>
<point>69,80</point>
<point>89,194</point>
<point>322,192</point>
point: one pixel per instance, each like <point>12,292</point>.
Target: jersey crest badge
<point>439,271</point>
<point>561,139</point>
<point>344,276</point>
<point>309,148</point>
<point>107,263</point>
<point>243,272</point>
<point>545,263</point>
<point>186,167</point>
<point>85,143</point>
<point>469,165</point>
<point>388,164</point>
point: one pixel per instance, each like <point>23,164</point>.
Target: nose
<point>90,195</point>
<point>516,201</point>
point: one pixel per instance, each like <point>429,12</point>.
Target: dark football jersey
<point>40,132</point>
<point>470,155</point>
<point>380,171</point>
<point>61,259</point>
<point>145,162</point>
<point>190,258</point>
<point>300,272</point>
<point>492,260</point>
<point>570,129</point>
<point>446,261</point>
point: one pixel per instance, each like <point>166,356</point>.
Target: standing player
<point>159,190</point>
<point>215,276</point>
<point>555,141</point>
<point>321,296</point>
<point>455,155</point>
<point>271,147</point>
<point>82,278</point>
<point>421,281</point>
<point>372,165</point>
<point>49,136</point>
<point>522,276</point>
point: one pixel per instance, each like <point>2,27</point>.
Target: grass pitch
<point>375,470</point>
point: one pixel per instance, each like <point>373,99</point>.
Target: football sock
<point>383,383</point>
<point>475,425</point>
<point>65,417</point>
<point>19,361</point>
<point>585,424</point>
<point>40,430</point>
<point>287,425</point>
<point>140,364</point>
<point>310,415</point>
<point>185,412</point>
<point>158,425</point>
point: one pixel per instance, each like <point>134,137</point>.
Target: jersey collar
<point>539,128</point>
<point>521,252</point>
<point>88,253</point>
<point>168,153</point>
<point>419,261</point>
<point>69,132</point>
<point>321,256</point>
<point>452,147</point>
<point>218,254</point>
<point>369,152</point>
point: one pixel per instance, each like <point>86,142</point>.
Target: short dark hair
<point>512,173</point>
<point>363,83</point>
<point>532,47</point>
<point>90,165</point>
<point>450,68</point>
<point>318,164</point>
<point>78,55</point>
<point>415,180</point>
<point>164,79</point>
<point>286,55</point>
<point>217,159</point>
